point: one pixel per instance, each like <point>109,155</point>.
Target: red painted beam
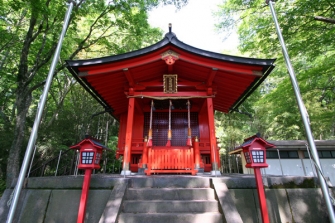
<point>180,83</point>
<point>172,95</point>
<point>144,85</point>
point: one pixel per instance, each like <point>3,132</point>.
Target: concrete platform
<point>56,199</point>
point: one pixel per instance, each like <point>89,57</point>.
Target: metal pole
<point>304,116</point>
<point>105,162</point>
<point>310,160</point>
<point>119,166</point>
<point>229,164</point>
<point>301,157</point>
<point>77,163</point>
<point>60,154</point>
<point>38,117</point>
<point>106,143</point>
<point>236,158</point>
<point>31,162</point>
<point>106,135</point>
<point>215,163</point>
<point>113,166</point>
<point>281,167</point>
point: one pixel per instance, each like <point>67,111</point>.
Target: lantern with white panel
<point>90,158</point>
<point>254,151</point>
<point>90,154</point>
<point>255,156</point>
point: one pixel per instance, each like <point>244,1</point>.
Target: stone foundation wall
<point>56,199</point>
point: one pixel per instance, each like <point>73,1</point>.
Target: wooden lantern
<point>90,153</point>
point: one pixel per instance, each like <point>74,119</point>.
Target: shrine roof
<point>228,79</point>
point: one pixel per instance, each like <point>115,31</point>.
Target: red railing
<point>170,160</point>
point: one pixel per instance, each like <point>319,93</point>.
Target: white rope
<point>152,105</point>
<point>170,115</point>
<point>9,202</point>
<point>149,142</point>
<point>189,132</point>
<point>164,98</point>
<point>324,177</point>
<point>188,114</point>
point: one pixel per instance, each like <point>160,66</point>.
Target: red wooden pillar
<point>212,138</point>
<point>129,130</point>
<point>261,195</point>
<point>84,195</point>
<point>196,152</point>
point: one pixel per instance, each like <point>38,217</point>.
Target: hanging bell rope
<point>189,132</point>
<point>149,143</point>
<point>169,131</point>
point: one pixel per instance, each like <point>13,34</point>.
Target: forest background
<point>29,31</point>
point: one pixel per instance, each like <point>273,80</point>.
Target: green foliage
<point>29,32</point>
<point>311,48</point>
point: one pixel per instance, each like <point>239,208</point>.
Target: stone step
<point>170,182</point>
<point>172,206</point>
<point>210,217</point>
<point>170,194</point>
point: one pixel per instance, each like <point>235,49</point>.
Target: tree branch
<point>90,33</point>
<point>324,19</point>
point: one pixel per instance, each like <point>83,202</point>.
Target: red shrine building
<point>164,97</point>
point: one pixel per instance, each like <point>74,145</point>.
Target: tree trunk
<point>23,100</point>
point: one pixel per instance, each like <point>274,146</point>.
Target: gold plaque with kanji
<point>170,83</point>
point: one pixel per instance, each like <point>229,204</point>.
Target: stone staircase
<point>170,200</point>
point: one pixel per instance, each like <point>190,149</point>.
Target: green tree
<point>308,32</point>
<point>29,32</point>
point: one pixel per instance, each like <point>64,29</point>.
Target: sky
<point>194,25</point>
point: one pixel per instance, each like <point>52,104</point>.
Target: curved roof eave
<point>222,57</point>
<point>171,38</point>
<point>249,91</point>
<point>118,57</point>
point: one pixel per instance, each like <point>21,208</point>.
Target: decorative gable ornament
<point>170,57</point>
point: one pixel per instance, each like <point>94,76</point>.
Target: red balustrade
<point>170,160</point>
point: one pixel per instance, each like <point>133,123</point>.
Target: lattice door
<point>179,126</point>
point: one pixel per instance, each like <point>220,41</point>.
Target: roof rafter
<point>129,77</point>
<point>211,77</point>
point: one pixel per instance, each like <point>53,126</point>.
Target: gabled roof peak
<point>170,36</point>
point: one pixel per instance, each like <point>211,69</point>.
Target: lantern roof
<point>228,79</point>
<point>95,142</point>
<point>251,140</point>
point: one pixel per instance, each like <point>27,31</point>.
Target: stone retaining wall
<point>56,199</point>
